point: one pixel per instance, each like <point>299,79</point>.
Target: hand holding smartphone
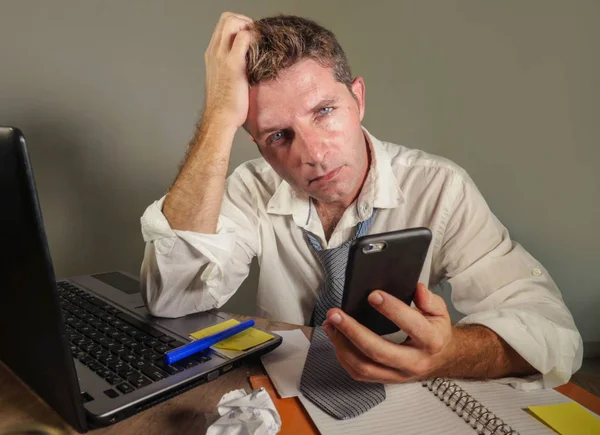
<point>391,262</point>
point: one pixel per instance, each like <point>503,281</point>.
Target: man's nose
<point>311,148</point>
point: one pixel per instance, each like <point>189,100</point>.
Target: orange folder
<point>294,418</point>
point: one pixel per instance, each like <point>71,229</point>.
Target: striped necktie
<point>324,381</point>
<point>334,263</point>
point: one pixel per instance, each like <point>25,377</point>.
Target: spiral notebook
<point>444,406</point>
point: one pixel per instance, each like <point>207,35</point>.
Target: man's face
<point>307,126</point>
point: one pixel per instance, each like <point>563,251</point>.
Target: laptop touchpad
<point>184,326</point>
<point>119,281</point>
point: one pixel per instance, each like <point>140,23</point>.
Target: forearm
<point>476,351</point>
<point>194,201</point>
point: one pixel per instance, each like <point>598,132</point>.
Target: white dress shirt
<point>495,282</point>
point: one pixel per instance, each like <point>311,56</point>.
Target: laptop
<point>86,344</point>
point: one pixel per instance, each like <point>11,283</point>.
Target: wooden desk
<point>188,413</point>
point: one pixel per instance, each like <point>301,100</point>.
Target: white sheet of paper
<point>284,365</point>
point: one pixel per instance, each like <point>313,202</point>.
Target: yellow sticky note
<point>568,418</point>
<point>241,341</point>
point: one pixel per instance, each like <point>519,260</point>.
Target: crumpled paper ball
<point>246,414</point>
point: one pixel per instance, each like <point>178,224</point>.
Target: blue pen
<point>196,346</point>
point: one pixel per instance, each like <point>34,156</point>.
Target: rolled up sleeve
<point>184,271</point>
<point>497,283</point>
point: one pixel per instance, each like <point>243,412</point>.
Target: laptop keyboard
<point>125,351</point>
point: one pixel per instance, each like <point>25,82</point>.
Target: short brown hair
<point>284,40</point>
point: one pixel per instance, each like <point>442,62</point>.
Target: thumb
<point>428,302</point>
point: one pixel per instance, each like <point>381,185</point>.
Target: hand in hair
<point>226,79</point>
<point>194,200</point>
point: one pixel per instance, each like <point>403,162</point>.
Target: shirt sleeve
<point>185,272</point>
<point>498,284</point>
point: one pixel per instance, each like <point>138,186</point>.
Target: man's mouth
<point>326,177</point>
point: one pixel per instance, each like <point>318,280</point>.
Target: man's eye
<point>276,137</point>
<point>325,110</point>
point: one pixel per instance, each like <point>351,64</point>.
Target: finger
<point>218,29</point>
<point>215,40</point>
<point>358,366</point>
<point>231,27</point>
<point>242,41</point>
<point>376,348</point>
<point>429,303</point>
<point>406,318</point>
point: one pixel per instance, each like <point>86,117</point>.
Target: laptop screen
<point>31,323</point>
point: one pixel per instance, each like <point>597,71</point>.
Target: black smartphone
<point>391,262</point>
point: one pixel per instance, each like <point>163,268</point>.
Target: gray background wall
<point>108,93</point>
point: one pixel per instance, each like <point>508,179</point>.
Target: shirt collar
<point>380,190</point>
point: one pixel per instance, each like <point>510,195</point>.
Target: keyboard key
<point>86,347</point>
<point>96,366</point>
<point>147,353</point>
<point>125,339</point>
<point>98,302</point>
<point>134,332</point>
<point>127,372</point>
<point>127,356</point>
<point>138,364</point>
<point>114,334</point>
<point>142,337</point>
<point>120,336</point>
<point>76,338</point>
<point>125,327</point>
<point>102,340</point>
<point>94,334</point>
<point>86,360</point>
<point>77,324</point>
<point>104,328</point>
<point>80,355</point>
<point>140,325</point>
<point>111,344</point>
<point>95,348</point>
<point>166,339</point>
<point>175,344</point>
<point>111,393</point>
<point>113,379</point>
<point>116,322</point>
<point>110,359</point>
<point>104,353</point>
<point>125,388</point>
<point>134,345</point>
<point>187,363</point>
<point>202,358</point>
<point>109,330</point>
<point>153,372</point>
<point>167,368</point>
<point>162,349</point>
<point>119,350</point>
<point>103,372</point>
<point>117,366</point>
<point>139,381</point>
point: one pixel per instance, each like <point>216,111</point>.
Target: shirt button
<point>536,272</point>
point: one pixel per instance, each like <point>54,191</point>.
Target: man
<point>287,81</point>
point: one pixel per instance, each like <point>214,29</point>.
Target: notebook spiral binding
<point>469,409</point>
